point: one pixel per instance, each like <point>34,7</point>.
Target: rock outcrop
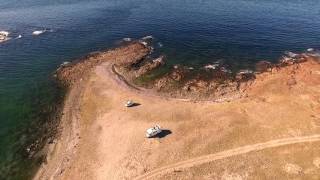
<point>125,56</point>
<point>4,36</point>
<point>150,65</point>
<point>213,81</point>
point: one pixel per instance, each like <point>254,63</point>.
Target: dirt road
<point>228,153</point>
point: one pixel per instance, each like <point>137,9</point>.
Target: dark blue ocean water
<point>193,32</point>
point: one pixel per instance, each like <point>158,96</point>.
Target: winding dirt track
<point>228,153</point>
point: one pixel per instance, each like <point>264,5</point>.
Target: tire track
<point>228,153</point>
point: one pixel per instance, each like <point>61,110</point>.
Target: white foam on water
<point>291,54</point>
<point>127,39</point>
<point>223,69</point>
<point>211,66</point>
<point>147,37</point>
<point>38,32</point>
<point>245,71</point>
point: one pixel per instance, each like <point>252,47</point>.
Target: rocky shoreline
<point>70,73</point>
<point>134,61</point>
<point>212,82</point>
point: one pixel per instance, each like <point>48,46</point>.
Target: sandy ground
<point>276,129</point>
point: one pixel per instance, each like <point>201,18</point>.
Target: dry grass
<point>113,145</point>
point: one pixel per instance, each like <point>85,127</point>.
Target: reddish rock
<point>134,54</point>
<point>149,66</point>
<point>125,55</point>
<point>162,83</point>
<point>178,73</point>
<point>245,75</point>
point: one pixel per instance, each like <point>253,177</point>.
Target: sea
<point>189,32</point>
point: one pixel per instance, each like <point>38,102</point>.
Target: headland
<point>220,124</point>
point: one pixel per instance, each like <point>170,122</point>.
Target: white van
<point>153,131</point>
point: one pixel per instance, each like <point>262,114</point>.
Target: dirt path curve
<point>228,153</point>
